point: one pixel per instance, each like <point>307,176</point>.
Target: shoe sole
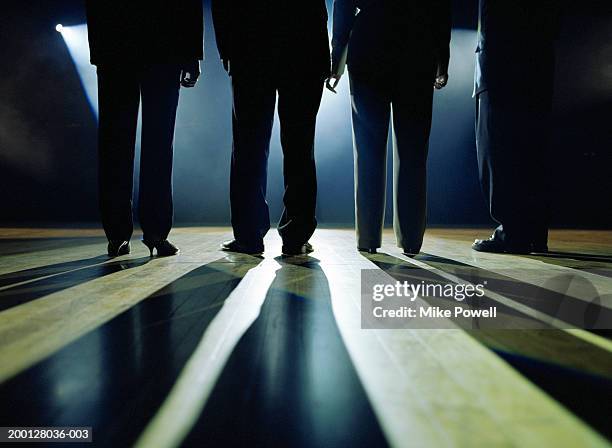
<point>296,254</point>
<point>370,251</point>
<point>120,252</point>
<point>225,249</point>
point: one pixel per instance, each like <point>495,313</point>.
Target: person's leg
<point>537,132</point>
<point>511,140</point>
<point>253,117</point>
<point>412,109</point>
<point>371,110</point>
<point>118,98</point>
<point>160,93</point>
<point>504,148</point>
<point>483,145</point>
<point>298,105</point>
<point>496,140</point>
<point>491,151</point>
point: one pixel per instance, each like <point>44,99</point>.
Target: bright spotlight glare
<point>75,38</point>
<point>59,27</point>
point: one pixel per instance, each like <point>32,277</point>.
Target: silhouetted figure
<point>142,49</point>
<point>270,47</point>
<point>513,91</point>
<point>397,51</point>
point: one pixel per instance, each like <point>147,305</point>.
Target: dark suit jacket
<point>279,36</point>
<point>385,37</point>
<point>139,31</point>
<point>515,51</point>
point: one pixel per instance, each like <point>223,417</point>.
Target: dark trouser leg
<point>253,117</point>
<point>511,141</point>
<point>537,132</point>
<point>298,105</point>
<point>412,108</point>
<point>371,109</point>
<point>119,97</point>
<point>160,93</point>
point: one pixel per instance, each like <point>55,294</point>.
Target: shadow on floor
<point>15,246</point>
<point>115,377</point>
<point>576,256</point>
<point>588,263</point>
<point>25,275</point>
<point>290,380</point>
<point>554,298</point>
<point>574,372</point>
<point>58,277</point>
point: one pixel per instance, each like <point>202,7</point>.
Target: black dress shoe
<point>410,252</point>
<point>368,250</point>
<point>118,248</point>
<point>497,246</point>
<point>294,249</point>
<point>164,247</point>
<point>235,246</point>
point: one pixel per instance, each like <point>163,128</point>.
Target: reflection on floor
<point>215,349</point>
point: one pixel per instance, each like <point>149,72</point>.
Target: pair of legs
<point>511,141</point>
<point>254,102</point>
<point>409,104</point>
<point>120,89</point>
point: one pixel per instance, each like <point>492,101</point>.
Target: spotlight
<point>75,38</point>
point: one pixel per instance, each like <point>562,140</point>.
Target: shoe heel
<point>150,245</point>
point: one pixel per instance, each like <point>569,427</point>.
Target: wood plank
<point>427,387</point>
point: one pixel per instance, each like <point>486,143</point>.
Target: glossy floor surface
<point>217,349</point>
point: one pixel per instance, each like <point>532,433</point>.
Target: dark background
<point>48,129</point>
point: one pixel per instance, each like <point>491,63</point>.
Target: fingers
<point>440,82</point>
<point>329,87</point>
<point>190,72</point>
<point>188,79</point>
<point>332,82</point>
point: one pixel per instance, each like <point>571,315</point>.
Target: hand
<point>190,72</point>
<point>332,82</point>
<point>226,64</point>
<point>441,81</point>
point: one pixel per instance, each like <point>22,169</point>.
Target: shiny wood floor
<point>214,349</point>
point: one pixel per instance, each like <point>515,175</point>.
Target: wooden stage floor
<point>217,349</point>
